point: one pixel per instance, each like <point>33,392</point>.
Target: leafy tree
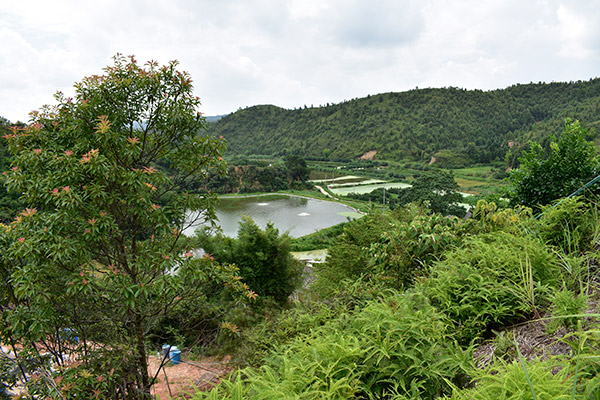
<point>438,191</point>
<point>262,256</point>
<point>297,168</point>
<point>570,164</point>
<point>98,253</point>
<point>9,202</point>
<point>457,126</point>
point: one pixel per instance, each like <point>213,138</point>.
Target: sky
<point>292,53</point>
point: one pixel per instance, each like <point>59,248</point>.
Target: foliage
<point>9,202</point>
<point>399,346</point>
<point>402,255</point>
<point>492,280</point>
<point>584,364</point>
<point>257,177</point>
<point>321,239</point>
<point>297,168</point>
<point>570,225</point>
<point>97,251</point>
<point>566,308</point>
<point>262,256</point>
<point>494,271</point>
<point>261,335</point>
<point>513,380</point>
<point>347,258</point>
<point>488,217</point>
<point>437,191</point>
<point>197,322</point>
<point>246,179</point>
<point>475,126</point>
<point>543,178</point>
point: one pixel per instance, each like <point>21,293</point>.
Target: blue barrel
<point>165,349</point>
<point>175,356</point>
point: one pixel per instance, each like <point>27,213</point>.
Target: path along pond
<point>294,214</point>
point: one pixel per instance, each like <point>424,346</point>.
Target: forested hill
<point>454,125</point>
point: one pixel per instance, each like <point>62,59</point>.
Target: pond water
<point>298,215</point>
<point>345,190</point>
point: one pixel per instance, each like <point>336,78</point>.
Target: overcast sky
<point>295,52</point>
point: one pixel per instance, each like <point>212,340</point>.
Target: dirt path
<point>325,192</point>
<point>183,379</point>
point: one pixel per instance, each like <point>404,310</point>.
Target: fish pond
<point>297,215</point>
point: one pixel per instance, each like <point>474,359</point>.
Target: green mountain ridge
<point>453,125</point>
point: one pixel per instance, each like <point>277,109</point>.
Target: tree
<point>262,256</point>
<point>97,254</point>
<point>297,168</point>
<point>9,202</point>
<point>570,164</point>
<point>438,191</point>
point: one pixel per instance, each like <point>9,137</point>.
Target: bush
<point>488,217</point>
<point>493,280</point>
<point>347,258</point>
<point>570,225</point>
<point>570,164</point>
<point>566,306</point>
<point>262,256</point>
<point>530,380</point>
<point>403,253</point>
<point>437,191</point>
<point>276,327</point>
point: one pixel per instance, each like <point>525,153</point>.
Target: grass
<point>462,182</point>
<point>483,171</point>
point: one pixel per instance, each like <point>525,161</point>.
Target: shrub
<point>570,164</point>
<point>528,380</point>
<point>566,308</point>
<point>570,225</point>
<point>262,256</point>
<point>488,217</point>
<point>491,281</point>
<point>260,334</point>
<point>347,258</point>
<point>403,253</point>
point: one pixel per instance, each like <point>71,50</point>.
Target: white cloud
<point>579,32</point>
<point>246,52</point>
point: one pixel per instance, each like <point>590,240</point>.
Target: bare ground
<point>187,377</point>
<point>533,339</point>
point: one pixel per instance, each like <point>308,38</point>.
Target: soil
<point>533,339</point>
<point>369,155</point>
<point>187,377</point>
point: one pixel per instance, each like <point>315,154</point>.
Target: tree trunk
<point>142,358</point>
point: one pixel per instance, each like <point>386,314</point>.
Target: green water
<point>298,215</point>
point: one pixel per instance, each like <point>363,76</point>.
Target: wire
<point>596,179</point>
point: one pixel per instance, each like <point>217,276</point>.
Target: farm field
<point>344,178</point>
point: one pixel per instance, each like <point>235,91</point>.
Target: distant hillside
<point>455,126</point>
<point>214,118</point>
